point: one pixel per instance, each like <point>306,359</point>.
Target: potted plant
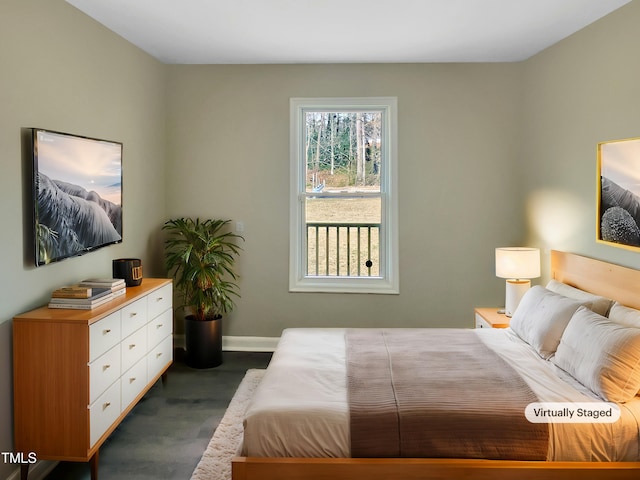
<point>201,256</point>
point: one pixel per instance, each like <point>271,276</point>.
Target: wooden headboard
<point>596,276</point>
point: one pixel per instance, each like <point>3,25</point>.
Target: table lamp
<point>517,265</point>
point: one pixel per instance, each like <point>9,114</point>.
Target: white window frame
<point>388,281</point>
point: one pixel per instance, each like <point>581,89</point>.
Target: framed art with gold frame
<point>618,208</point>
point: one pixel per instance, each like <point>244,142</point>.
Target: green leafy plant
<point>201,256</point>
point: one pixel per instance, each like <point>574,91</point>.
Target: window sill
<point>376,285</point>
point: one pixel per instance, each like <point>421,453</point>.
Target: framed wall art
<point>618,209</point>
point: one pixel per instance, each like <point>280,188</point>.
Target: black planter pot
<point>203,342</point>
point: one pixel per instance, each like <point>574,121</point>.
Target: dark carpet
<point>165,435</point>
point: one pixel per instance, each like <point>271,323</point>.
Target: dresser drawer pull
<point>132,346</point>
<point>133,314</point>
<point>106,405</point>
<point>159,325</point>
<point>158,355</point>
<point>106,331</point>
<point>132,379</point>
<point>105,367</point>
<point>159,299</point>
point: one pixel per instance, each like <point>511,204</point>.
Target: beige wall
<point>458,144</point>
<point>579,92</point>
<point>61,70</point>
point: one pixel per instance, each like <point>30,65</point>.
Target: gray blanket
<point>437,393</point>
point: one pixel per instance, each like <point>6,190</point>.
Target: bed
<point>300,425</point>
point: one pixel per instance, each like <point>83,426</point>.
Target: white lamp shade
<point>517,262</point>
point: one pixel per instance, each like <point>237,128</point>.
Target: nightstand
<point>490,318</point>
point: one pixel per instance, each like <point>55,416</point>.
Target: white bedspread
<point>300,408</point>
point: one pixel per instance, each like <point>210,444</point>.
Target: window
<point>344,233</point>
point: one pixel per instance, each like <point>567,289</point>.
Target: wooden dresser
<point>77,373</point>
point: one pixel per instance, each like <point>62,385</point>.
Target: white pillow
<point>602,355</point>
<point>599,304</point>
<point>626,316</point>
<point>541,318</point>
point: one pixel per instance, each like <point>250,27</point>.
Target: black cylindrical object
<point>130,269</point>
<point>203,342</point>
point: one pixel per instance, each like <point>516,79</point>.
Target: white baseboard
<point>37,471</point>
<point>239,343</point>
<point>249,344</point>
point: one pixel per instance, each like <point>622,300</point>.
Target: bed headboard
<point>596,276</point>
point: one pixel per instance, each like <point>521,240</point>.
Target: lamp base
<point>515,289</point>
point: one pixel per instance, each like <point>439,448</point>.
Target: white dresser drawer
<point>159,356</point>
<point>134,316</point>
<point>133,382</point>
<point>160,327</point>
<point>134,347</point>
<point>103,371</point>
<point>103,412</point>
<point>481,322</point>
<point>103,335</point>
<point>159,300</point>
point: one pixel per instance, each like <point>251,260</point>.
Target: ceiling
<point>344,31</point>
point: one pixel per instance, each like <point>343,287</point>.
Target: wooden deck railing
<point>343,249</point>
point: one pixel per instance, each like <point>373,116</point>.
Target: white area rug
<point>215,463</point>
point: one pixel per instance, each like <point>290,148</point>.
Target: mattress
<point>300,408</point>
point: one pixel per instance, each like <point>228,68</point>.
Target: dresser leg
<point>93,463</point>
<point>24,471</point>
<point>164,378</point>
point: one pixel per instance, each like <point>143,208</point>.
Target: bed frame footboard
<point>255,468</point>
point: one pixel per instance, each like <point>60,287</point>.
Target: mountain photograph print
<point>78,200</point>
<point>618,221</point>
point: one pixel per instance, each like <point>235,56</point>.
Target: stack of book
<point>88,294</point>
<point>116,285</point>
